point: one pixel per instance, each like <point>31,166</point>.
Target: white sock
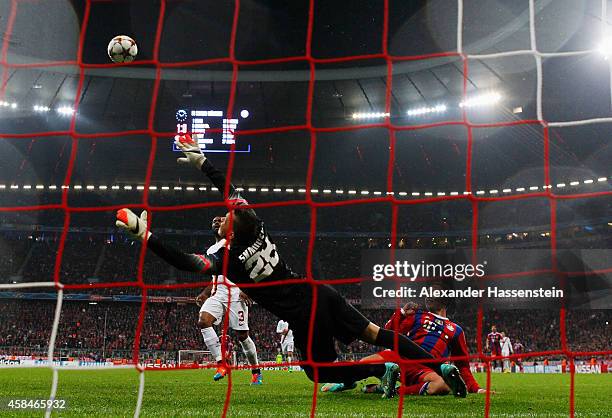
<point>212,342</point>
<point>248,346</point>
<point>288,359</point>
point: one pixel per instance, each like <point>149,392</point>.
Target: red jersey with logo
<point>494,339</point>
<point>518,348</point>
<point>437,335</point>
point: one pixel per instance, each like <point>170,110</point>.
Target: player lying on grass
<point>438,335</point>
<point>252,258</point>
<point>223,296</point>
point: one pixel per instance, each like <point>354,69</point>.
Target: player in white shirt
<point>219,297</point>
<point>506,350</point>
<point>286,341</point>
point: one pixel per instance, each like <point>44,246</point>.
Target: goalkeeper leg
<point>349,324</point>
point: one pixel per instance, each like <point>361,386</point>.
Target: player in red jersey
<point>435,333</point>
<point>519,348</point>
<point>493,344</point>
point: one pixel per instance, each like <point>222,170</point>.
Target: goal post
<point>194,356</point>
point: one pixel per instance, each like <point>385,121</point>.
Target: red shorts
<point>413,372</point>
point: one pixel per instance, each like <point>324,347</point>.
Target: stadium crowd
<point>107,329</point>
<point>95,252</point>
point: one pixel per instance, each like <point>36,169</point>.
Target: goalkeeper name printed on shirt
<point>411,271</point>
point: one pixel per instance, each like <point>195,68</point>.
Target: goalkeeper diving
<point>251,257</point>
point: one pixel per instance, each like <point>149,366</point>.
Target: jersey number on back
<point>262,263</point>
<point>431,326</point>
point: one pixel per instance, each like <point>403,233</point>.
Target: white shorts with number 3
<point>238,313</point>
<point>287,346</point>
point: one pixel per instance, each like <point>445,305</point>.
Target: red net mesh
<point>308,126</point>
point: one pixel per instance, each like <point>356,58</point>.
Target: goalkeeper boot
<point>338,387</point>
<point>220,373</point>
<point>389,379</point>
<point>453,379</point>
<point>256,379</point>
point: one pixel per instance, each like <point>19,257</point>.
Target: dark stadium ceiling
<point>116,99</point>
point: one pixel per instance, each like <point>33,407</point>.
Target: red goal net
<point>546,188</point>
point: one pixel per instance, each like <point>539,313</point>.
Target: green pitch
<point>112,393</point>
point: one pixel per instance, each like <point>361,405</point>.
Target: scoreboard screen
<point>210,129</point>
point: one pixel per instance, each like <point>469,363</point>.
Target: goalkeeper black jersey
<point>258,264</point>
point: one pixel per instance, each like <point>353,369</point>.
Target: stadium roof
<point>575,87</point>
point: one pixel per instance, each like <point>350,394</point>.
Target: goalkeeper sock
<point>405,347</point>
<point>248,346</point>
<point>212,342</point>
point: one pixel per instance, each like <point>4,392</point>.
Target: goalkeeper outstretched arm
<point>195,157</point>
<point>137,228</point>
<point>243,227</point>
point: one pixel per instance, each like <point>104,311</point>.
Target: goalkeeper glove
<point>135,226</point>
<point>191,150</point>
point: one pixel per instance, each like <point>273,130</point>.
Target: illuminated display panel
<point>212,131</point>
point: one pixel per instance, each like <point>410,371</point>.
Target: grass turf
<point>113,393</point>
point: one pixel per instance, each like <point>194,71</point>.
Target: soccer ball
<point>122,48</point>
